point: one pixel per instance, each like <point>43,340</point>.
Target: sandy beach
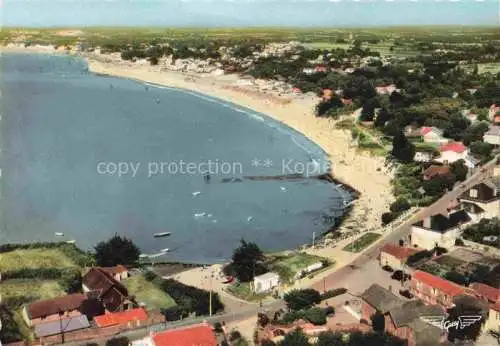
<point>363,172</point>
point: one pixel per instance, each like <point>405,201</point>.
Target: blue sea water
<point>64,131</point>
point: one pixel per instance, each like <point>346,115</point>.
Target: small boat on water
<point>71,241</point>
<point>59,234</point>
<point>161,234</point>
<point>165,250</point>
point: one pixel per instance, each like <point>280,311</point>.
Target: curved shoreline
<point>359,172</point>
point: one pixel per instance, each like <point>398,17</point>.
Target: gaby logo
<point>441,322</point>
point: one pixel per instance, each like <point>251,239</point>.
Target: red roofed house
<point>436,171</point>
<point>492,295</point>
<point>395,256</point>
<point>131,318</point>
<point>198,335</point>
<point>454,151</point>
<point>49,310</point>
<point>118,272</point>
<point>113,295</point>
<point>432,135</point>
<point>434,289</point>
<point>493,111</point>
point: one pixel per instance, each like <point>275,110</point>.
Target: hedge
<point>81,258</point>
<point>189,299</point>
<point>333,293</point>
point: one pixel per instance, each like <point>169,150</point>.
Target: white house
<point>492,136</point>
<point>494,110</point>
<point>483,199</point>
<point>452,152</point>
<point>386,89</point>
<point>266,282</point>
<point>439,229</point>
<point>423,156</point>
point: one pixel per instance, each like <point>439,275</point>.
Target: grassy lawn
<point>244,291</point>
<point>288,266</point>
<point>31,289</point>
<point>362,242</point>
<point>34,258</point>
<point>146,292</point>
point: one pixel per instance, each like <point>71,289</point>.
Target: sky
<point>230,13</point>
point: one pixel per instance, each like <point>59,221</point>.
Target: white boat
<point>165,250</point>
<point>71,241</point>
<point>59,234</point>
<point>199,215</point>
<point>282,188</point>
<point>161,234</point>
<point>196,193</point>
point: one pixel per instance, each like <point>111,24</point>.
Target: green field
<point>30,289</point>
<point>288,266</point>
<point>34,258</point>
<point>148,293</point>
<point>364,241</point>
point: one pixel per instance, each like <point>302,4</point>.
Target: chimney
<point>427,222</point>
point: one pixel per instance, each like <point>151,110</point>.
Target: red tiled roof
<point>496,119</point>
<point>455,146</point>
<point>124,317</point>
<point>425,130</point>
<point>115,270</point>
<point>488,292</point>
<point>439,283</point>
<point>399,252</point>
<point>436,170</point>
<point>49,307</point>
<point>198,335</point>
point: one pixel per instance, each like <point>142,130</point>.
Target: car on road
<point>387,268</point>
<point>398,275</point>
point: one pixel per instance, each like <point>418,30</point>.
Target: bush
<point>119,341</point>
<point>302,299</point>
<point>333,293</point>
<point>189,299</point>
<point>418,256</point>
<point>399,205</point>
<point>387,218</point>
<point>459,242</point>
<point>292,316</point>
<point>316,316</point>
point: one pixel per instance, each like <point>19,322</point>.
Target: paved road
<point>336,279</point>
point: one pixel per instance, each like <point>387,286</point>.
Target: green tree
<point>302,299</point>
<point>295,338</point>
<point>368,110</point>
<point>316,316</point>
<point>475,132</point>
<point>378,322</point>
<point>459,170</point>
<point>400,205</point>
<point>402,149</point>
<point>467,306</point>
<point>481,150</point>
<point>246,259</point>
<point>330,339</point>
<point>117,250</point>
<point>383,117</point>
<point>119,341</point>
<point>387,218</point>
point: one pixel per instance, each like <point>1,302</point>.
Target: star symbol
<point>267,163</point>
<point>255,163</point>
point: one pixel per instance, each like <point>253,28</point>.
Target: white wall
<point>427,239</point>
